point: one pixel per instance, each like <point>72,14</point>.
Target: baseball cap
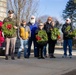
<point>10,11</point>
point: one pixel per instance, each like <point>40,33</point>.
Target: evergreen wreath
<point>55,34</point>
<point>70,33</point>
<point>8,29</point>
<point>42,37</point>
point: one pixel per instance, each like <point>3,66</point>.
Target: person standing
<point>23,33</point>
<point>33,26</point>
<point>67,41</point>
<point>41,35</point>
<point>49,25</point>
<point>10,39</point>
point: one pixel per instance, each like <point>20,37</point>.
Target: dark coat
<point>48,28</point>
<point>66,33</point>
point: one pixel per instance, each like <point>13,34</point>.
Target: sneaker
<point>18,57</point>
<point>70,56</point>
<point>45,56</point>
<point>64,56</point>
<point>42,58</point>
<point>26,57</point>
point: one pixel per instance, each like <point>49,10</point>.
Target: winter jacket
<point>48,28</point>
<point>33,29</point>
<point>65,34</point>
<point>8,19</point>
<point>1,35</point>
<point>24,32</point>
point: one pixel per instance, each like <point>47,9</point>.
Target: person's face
<point>67,21</point>
<point>24,23</point>
<point>32,20</point>
<point>49,21</point>
<point>10,15</point>
<point>41,26</point>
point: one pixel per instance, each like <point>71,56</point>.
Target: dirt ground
<point>73,72</point>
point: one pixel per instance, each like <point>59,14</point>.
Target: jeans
<point>35,47</point>
<point>24,44</point>
<point>68,43</point>
<point>44,51</point>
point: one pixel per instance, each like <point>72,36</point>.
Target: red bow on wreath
<point>58,37</point>
<point>9,26</point>
<point>38,38</point>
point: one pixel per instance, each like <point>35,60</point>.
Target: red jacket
<point>1,36</point>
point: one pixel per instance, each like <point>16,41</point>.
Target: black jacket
<point>65,34</point>
<point>37,30</point>
<point>48,28</point>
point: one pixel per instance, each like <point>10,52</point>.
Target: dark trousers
<point>51,46</point>
<point>40,50</point>
<point>29,47</point>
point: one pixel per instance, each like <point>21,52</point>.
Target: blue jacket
<point>33,29</point>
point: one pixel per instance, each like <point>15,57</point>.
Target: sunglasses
<point>66,20</point>
<point>32,18</point>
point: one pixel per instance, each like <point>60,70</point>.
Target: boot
<point>52,56</point>
<point>6,57</point>
<point>12,57</point>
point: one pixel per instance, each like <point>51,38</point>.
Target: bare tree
<point>23,9</point>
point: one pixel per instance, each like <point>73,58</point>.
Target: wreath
<point>55,34</point>
<point>42,37</point>
<point>70,33</point>
<point>8,29</point>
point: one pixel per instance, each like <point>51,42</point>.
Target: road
<point>34,66</point>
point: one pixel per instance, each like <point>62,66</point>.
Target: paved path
<point>34,66</point>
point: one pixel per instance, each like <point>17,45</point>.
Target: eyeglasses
<point>32,18</point>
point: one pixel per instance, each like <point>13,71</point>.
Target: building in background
<point>3,8</point>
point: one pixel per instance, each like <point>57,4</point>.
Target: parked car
<point>2,48</point>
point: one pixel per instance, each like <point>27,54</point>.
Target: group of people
<point>29,32</point>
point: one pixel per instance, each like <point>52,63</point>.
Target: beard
<point>32,21</point>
